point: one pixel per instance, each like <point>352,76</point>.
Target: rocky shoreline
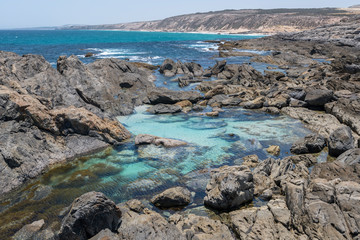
<point>51,115</point>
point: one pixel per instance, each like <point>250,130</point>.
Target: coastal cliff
<point>235,21</point>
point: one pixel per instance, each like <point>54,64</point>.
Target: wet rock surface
<point>150,139</point>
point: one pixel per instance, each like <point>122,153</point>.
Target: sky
<point>42,13</point>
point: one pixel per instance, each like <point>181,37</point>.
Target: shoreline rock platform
<point>43,123</point>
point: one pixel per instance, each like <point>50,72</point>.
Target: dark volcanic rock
<point>312,143</point>
<point>318,97</point>
<point>173,197</point>
<point>229,187</point>
<point>340,141</point>
<point>89,214</point>
<point>164,108</point>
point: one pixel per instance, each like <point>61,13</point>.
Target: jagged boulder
<point>229,187</point>
<point>168,68</point>
<point>312,143</point>
<point>89,214</point>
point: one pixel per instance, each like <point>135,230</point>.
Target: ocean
<point>129,171</point>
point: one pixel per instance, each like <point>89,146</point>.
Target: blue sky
<point>36,13</point>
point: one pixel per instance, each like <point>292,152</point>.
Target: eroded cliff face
<point>237,21</point>
<point>48,116</point>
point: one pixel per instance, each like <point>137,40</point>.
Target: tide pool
<point>128,171</point>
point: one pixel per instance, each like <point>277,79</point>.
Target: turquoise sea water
<point>128,171</point>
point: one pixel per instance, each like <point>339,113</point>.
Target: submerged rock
<point>89,214</point>
<point>173,197</point>
<point>229,187</point>
<point>150,139</point>
<point>29,231</point>
<point>273,150</point>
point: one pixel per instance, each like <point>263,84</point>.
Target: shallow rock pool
<point>128,171</point>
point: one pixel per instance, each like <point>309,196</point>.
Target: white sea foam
<point>253,51</point>
<point>204,47</point>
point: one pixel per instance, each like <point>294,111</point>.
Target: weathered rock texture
<point>229,187</point>
<point>88,215</point>
<point>49,116</point>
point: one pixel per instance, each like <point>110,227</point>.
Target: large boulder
<point>340,141</point>
<point>312,143</point>
<point>172,197</point>
<point>89,214</point>
<point>318,97</point>
<point>168,68</point>
<point>229,187</point>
